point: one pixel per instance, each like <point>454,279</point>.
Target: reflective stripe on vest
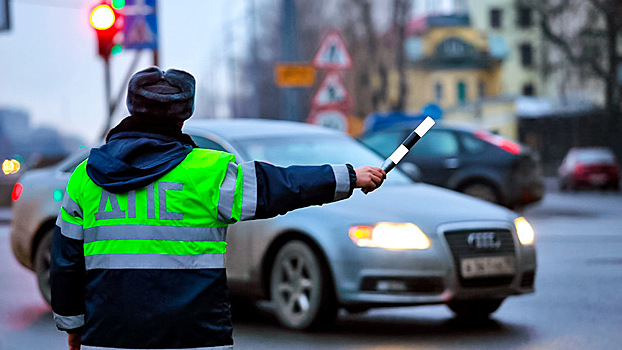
<point>69,322</point>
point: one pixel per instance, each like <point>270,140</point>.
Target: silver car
<point>405,244</point>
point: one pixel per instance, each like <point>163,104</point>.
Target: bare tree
<point>377,53</point>
<point>586,32</point>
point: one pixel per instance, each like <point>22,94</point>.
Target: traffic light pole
<point>289,53</point>
<point>111,106</point>
<point>156,57</point>
<point>107,88</point>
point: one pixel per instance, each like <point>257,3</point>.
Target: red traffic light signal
<point>107,21</point>
<point>102,17</point>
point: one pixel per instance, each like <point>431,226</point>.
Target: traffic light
<point>107,20</point>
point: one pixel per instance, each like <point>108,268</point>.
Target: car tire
<point>474,309</point>
<point>300,288</point>
<point>482,191</point>
<point>43,257</point>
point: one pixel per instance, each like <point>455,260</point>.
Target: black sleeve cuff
<point>352,174</point>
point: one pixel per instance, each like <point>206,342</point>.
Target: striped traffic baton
<point>407,144</point>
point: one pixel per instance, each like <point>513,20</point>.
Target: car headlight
<point>524,231</point>
<point>389,235</point>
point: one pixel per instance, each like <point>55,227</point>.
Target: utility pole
<point>156,58</point>
<point>254,60</point>
<point>289,53</point>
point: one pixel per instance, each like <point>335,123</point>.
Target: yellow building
<point>515,25</point>
<point>450,65</point>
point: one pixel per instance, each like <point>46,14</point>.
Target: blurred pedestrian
<point>138,248</point>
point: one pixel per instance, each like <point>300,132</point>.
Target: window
<point>385,142</point>
<point>207,143</point>
<point>526,55</point>
<point>438,144</point>
<point>438,93</point>
<point>496,16</point>
<point>462,92</point>
<point>471,143</point>
<point>481,89</point>
<point>524,17</point>
<point>454,48</point>
<point>529,90</point>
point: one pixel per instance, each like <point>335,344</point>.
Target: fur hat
<point>169,94</point>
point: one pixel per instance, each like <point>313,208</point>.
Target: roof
<point>231,129</point>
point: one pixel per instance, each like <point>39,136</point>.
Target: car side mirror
<point>411,170</point>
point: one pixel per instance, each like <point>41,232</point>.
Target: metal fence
<point>552,136</point>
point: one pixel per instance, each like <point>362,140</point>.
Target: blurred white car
<point>404,244</point>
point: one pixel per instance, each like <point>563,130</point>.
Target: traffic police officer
<point>138,249</point>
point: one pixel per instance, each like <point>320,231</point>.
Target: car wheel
<point>474,308</point>
<point>482,191</point>
<point>43,257</point>
<point>300,288</point>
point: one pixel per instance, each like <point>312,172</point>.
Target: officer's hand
<point>73,340</point>
<point>369,178</point>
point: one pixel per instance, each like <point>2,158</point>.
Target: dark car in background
<point>589,167</point>
<point>468,160</point>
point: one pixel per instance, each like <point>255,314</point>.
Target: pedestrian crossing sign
<point>333,53</point>
<point>141,25</point>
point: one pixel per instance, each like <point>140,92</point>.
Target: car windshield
<point>596,157</point>
<point>314,150</point>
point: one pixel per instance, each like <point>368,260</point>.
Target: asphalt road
<point>577,304</point>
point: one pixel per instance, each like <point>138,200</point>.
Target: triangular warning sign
<point>332,93</point>
<point>333,53</point>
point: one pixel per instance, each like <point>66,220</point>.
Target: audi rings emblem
<point>483,241</point>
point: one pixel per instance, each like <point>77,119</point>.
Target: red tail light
<point>579,169</point>
<point>499,141</point>
<point>17,191</point>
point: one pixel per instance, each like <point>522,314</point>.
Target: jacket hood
<point>132,160</point>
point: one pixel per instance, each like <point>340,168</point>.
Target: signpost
<point>333,54</point>
<point>294,75</point>
<point>331,101</point>
<point>141,25</point>
<point>332,94</point>
<point>334,119</point>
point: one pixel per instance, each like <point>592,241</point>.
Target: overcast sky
<point>49,66</point>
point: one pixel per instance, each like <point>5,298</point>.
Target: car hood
<point>425,205</point>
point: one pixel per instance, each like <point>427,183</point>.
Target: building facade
<point>451,65</point>
<point>513,32</point>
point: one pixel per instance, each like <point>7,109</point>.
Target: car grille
<point>458,242</point>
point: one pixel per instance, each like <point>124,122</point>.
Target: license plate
<point>487,266</point>
<point>598,179</point>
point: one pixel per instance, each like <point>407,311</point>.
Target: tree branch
<point>564,45</point>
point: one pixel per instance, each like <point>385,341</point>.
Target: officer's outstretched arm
<point>263,190</point>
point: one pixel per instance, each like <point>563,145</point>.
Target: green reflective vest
<point>179,221</point>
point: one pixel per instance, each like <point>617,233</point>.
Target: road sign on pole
<point>294,75</point>
<point>141,25</point>
<point>333,53</point>
<point>334,119</point>
<point>331,93</point>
